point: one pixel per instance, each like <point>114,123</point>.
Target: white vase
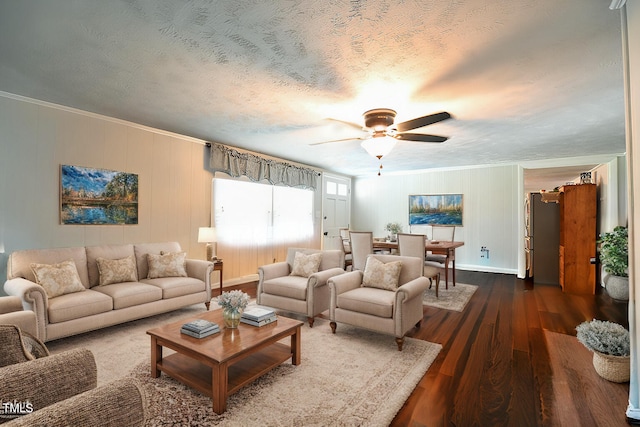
<point>617,287</point>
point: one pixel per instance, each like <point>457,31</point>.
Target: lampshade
<point>379,146</point>
<point>206,235</point>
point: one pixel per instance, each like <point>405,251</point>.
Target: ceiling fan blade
<point>337,140</point>
<point>422,121</point>
<point>420,137</point>
<point>351,124</point>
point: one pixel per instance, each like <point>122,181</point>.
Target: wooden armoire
<point>578,235</point>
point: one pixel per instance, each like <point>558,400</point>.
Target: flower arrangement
<point>604,337</point>
<point>393,227</point>
<point>233,301</point>
<point>614,251</point>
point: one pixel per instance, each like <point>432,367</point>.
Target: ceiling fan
<point>382,134</point>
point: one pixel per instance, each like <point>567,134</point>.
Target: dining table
<point>448,249</point>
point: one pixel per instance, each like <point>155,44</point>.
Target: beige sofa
<point>98,306</point>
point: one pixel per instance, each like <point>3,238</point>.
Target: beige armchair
<point>12,313</point>
<point>355,301</point>
<point>60,390</point>
<point>289,287</point>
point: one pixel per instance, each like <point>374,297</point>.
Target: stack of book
<point>200,328</point>
<point>258,316</point>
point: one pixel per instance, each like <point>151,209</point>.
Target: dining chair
<point>361,247</point>
<point>346,243</point>
<point>441,233</point>
<point>419,229</point>
<point>345,246</point>
<point>413,245</point>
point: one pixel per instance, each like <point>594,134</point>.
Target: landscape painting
<point>435,209</point>
<point>97,196</point>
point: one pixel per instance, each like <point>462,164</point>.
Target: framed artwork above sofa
<point>97,196</point>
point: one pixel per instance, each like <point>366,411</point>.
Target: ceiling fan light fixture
<point>379,147</point>
<point>379,119</point>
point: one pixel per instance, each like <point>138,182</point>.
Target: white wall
<point>36,138</point>
<point>491,210</point>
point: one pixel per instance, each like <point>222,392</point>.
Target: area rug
<point>351,378</point>
<point>455,298</point>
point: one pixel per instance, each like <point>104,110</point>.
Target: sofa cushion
<point>19,264</point>
<point>176,286</point>
<point>58,279</point>
<point>107,252</point>
<point>378,274</point>
<point>305,265</point>
<point>170,264</point>
<point>78,305</point>
<point>287,286</point>
<point>142,249</point>
<point>117,270</point>
<point>130,293</point>
<point>377,302</point>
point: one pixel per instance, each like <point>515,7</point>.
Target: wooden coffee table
<point>221,364</point>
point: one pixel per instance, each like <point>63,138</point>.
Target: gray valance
<point>256,168</point>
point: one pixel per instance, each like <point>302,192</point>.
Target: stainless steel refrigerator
<point>542,239</point>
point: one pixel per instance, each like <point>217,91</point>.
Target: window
<point>252,214</point>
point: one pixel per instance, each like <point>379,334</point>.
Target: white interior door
<point>336,209</point>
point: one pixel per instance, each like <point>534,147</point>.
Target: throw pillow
<point>306,265</point>
<point>117,270</point>
<point>170,264</point>
<point>377,274</point>
<point>58,279</point>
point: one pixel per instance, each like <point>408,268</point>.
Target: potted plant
<point>393,228</point>
<point>614,255</point>
<point>610,345</point>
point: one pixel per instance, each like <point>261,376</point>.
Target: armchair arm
<point>50,379</point>
<point>321,277</point>
<point>10,304</point>
<point>412,289</point>
<point>200,269</point>
<point>33,298</point>
<point>340,284</point>
<point>270,271</point>
<point>119,403</point>
<point>345,282</point>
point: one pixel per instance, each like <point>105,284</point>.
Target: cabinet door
<point>578,238</point>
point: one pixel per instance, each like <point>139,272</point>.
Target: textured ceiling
<point>524,79</point>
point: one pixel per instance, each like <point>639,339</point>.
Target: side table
<point>217,266</point>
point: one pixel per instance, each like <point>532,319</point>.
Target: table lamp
<point>208,235</point>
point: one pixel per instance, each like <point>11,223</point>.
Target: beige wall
<point>36,138</point>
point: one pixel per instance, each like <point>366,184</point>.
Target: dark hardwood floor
<point>495,365</point>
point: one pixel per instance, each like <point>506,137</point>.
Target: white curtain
<point>256,223</point>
